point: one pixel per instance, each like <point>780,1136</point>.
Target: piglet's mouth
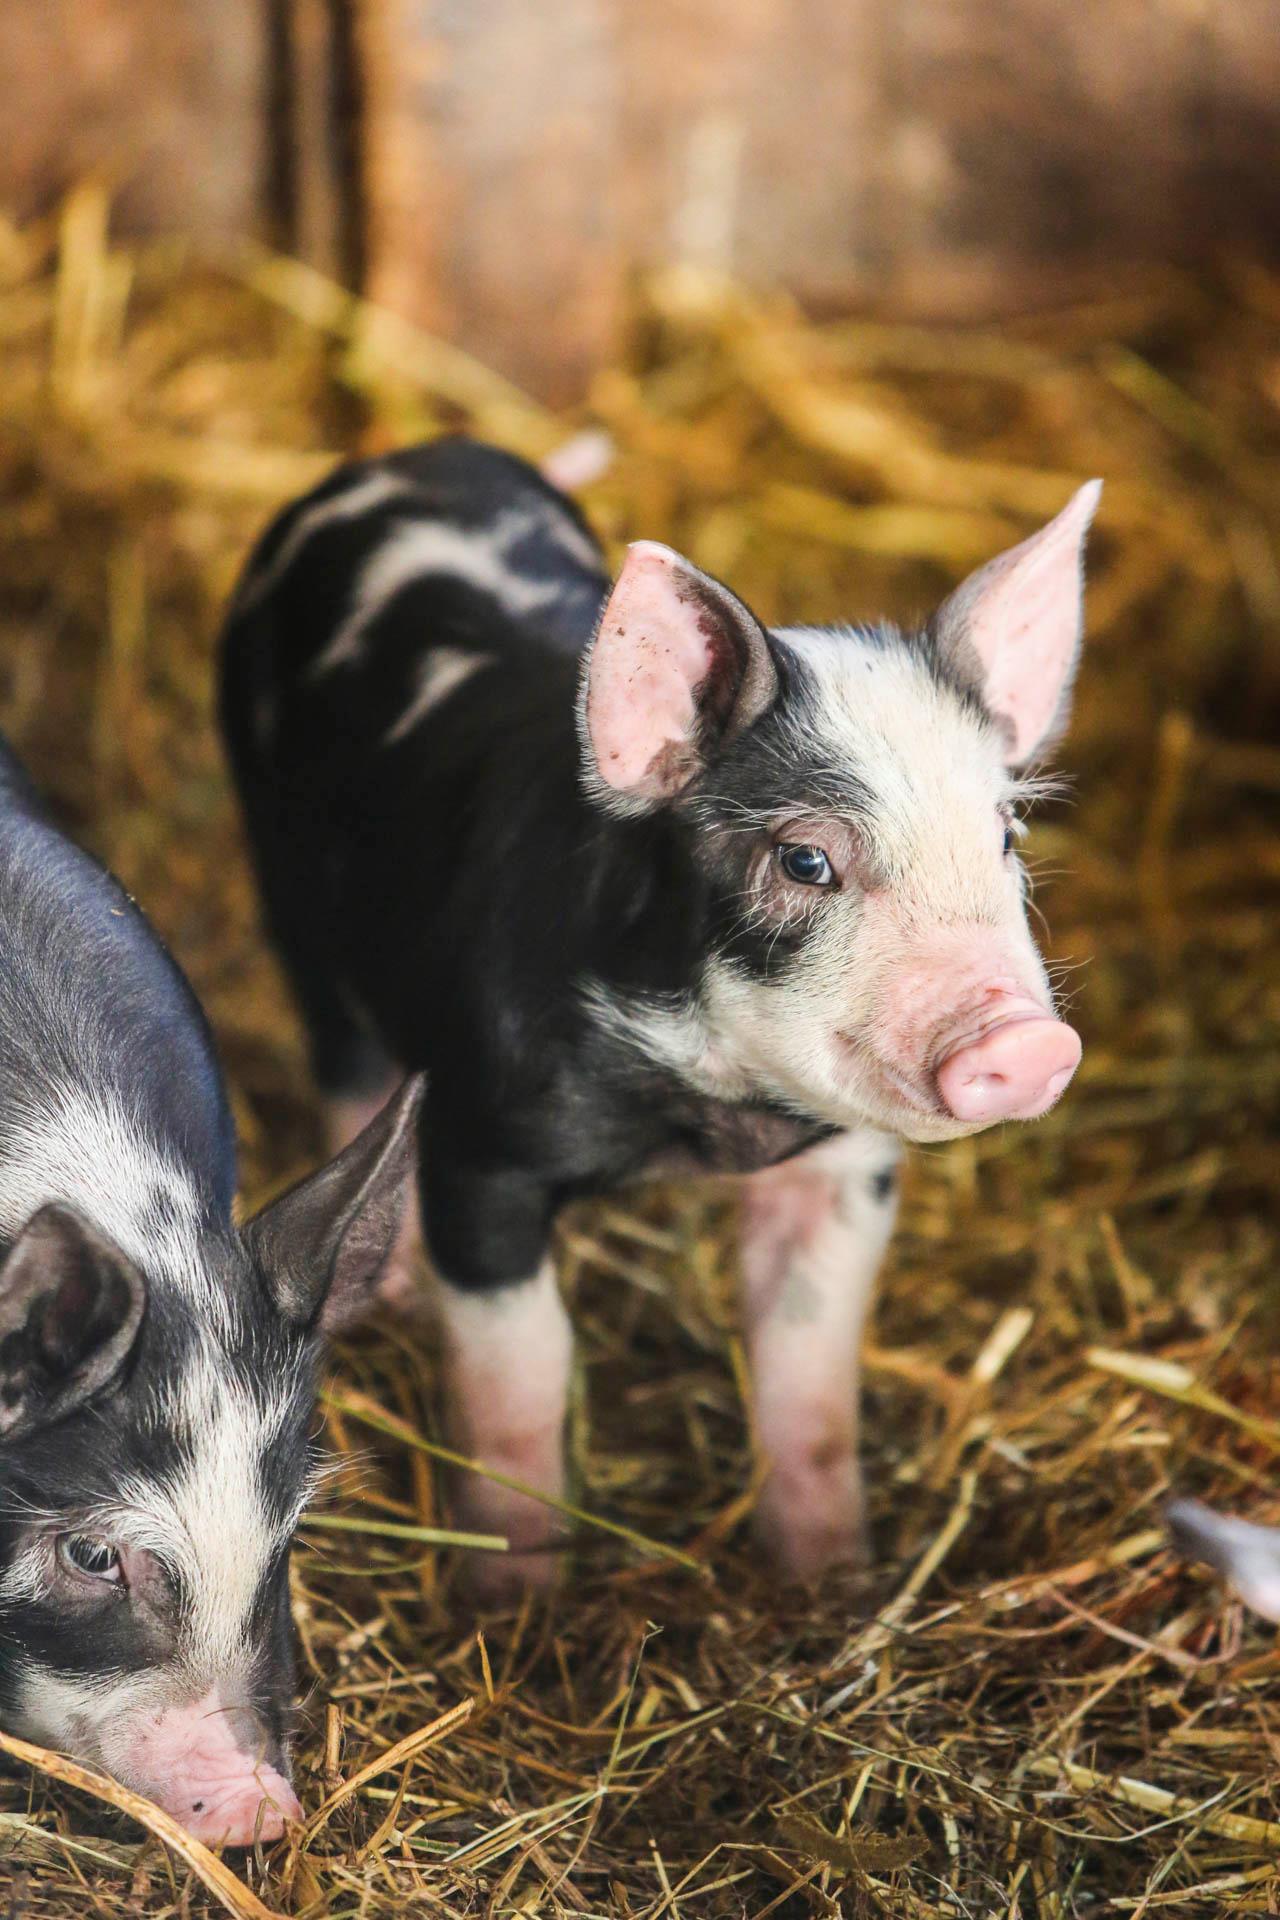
<point>902,1098</point>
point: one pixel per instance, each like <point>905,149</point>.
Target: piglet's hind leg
<point>814,1232</point>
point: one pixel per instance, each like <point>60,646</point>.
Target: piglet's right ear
<point>325,1241</point>
<point>678,668</point>
<point>71,1304</point>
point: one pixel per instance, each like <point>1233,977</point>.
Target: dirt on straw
<point>1028,1708</point>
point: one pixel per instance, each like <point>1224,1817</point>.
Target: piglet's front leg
<point>508,1357</point>
<point>814,1232</point>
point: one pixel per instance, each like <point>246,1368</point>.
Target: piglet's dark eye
<point>1008,838</point>
<point>91,1558</point>
<point>807,866</point>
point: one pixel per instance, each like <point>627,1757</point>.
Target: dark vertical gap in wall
<point>280,179</point>
<point>347,106</point>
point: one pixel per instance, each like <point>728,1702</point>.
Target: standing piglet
<point>646,887</point>
<point>156,1366</point>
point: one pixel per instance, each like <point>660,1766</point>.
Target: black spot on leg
<point>197,1806</point>
<point>882,1182</point>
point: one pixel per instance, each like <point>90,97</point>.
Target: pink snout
<point>235,1812</point>
<point>206,1764</point>
<point>1013,1071</point>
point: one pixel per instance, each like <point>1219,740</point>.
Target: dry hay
<point>1031,1709</point>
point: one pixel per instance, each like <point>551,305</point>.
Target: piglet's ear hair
<point>70,1307</point>
<point>1016,625</point>
<point>678,669</point>
<point>1247,1557</point>
<point>321,1246</point>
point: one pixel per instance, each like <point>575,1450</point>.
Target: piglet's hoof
<point>503,1579</point>
<point>535,1555</point>
<point>806,1539</point>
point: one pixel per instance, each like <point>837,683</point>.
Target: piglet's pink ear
<point>678,668</point>
<point>1022,616</point>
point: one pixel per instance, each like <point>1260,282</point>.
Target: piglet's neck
<point>649,905</point>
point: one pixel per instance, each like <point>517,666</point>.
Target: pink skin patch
<point>192,1762</point>
<point>970,1037</point>
<point>649,660</point>
<point>814,1231</point>
<point>1021,614</point>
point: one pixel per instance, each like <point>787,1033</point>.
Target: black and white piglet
<point>156,1365</point>
<point>645,887</point>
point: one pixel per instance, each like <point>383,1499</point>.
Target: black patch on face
<point>778,767</point>
<point>765,774</point>
<point>95,1631</point>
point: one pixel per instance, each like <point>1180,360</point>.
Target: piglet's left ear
<point>678,669</point>
<point>324,1242</point>
<point>1019,620</point>
<point>71,1304</point>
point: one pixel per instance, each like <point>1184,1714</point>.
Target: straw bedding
<point>1028,1708</point>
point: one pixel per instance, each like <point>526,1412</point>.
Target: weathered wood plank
<point>512,163</point>
<point>167,98</point>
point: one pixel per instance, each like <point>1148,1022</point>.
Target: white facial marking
<point>211,1521</point>
<point>919,952</point>
<point>88,1152</point>
<point>207,1523</point>
<point>25,1579</point>
<point>440,672</point>
<point>932,766</point>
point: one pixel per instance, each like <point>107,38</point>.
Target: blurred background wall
<point>495,169</point>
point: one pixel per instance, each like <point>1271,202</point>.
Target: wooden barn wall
<point>166,98</point>
<point>496,169</point>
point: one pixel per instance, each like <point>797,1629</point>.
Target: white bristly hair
<point>209,1522</point>
<point>87,1151</point>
